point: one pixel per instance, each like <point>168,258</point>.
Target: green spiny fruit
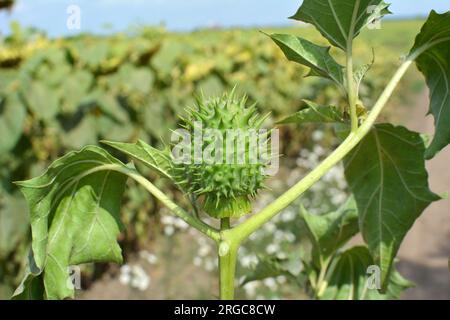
<point>235,170</point>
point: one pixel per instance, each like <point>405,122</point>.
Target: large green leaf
<point>75,88</point>
<point>13,222</point>
<point>81,135</point>
<point>340,21</point>
<point>331,231</point>
<point>348,278</point>
<point>134,79</point>
<point>313,113</point>
<point>32,285</point>
<point>386,173</point>
<point>74,214</point>
<point>268,267</point>
<point>42,100</point>
<point>311,55</point>
<point>434,63</point>
<point>153,158</point>
<point>12,117</point>
<point>111,107</point>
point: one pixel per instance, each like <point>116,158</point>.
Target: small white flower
<point>201,241</point>
<point>209,265</point>
<point>290,237</point>
<point>270,227</point>
<point>249,261</point>
<point>272,248</point>
<point>197,261</point>
<point>304,153</point>
<point>338,198</point>
<point>270,283</point>
<point>317,135</point>
<point>278,236</point>
<point>149,257</point>
<point>281,279</point>
<point>319,150</point>
<point>125,269</point>
<point>204,250</point>
<point>169,230</point>
<point>140,280</point>
<point>124,278</point>
<point>250,288</point>
<point>288,216</point>
<point>180,224</point>
<point>152,259</point>
<point>134,276</point>
<point>143,284</point>
<point>167,220</point>
<point>281,255</point>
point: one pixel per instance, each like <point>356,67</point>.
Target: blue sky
<point>51,16</point>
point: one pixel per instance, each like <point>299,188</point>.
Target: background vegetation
<point>61,94</point>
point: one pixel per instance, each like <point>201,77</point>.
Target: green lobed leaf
<point>313,113</point>
<point>434,63</point>
<point>348,278</point>
<point>340,21</point>
<point>13,222</point>
<point>32,285</point>
<point>41,100</point>
<point>311,55</point>
<point>331,231</point>
<point>83,134</point>
<point>360,73</point>
<point>75,87</point>
<point>74,214</point>
<point>386,173</point>
<point>153,158</point>
<point>268,267</point>
<point>12,117</point>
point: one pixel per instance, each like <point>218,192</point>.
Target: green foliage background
<point>58,95</point>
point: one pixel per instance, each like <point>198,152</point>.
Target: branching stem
<point>229,239</point>
<point>244,230</point>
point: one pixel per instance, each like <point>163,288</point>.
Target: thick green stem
<point>351,85</point>
<point>244,230</point>
<point>227,252</point>
<point>227,269</point>
<point>352,94</point>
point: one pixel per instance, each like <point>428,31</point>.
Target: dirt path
<point>425,251</point>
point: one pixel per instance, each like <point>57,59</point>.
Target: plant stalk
<point>244,230</point>
<point>352,94</point>
<point>227,253</point>
<point>351,85</point>
<point>227,270</point>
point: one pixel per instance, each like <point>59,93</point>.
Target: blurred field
<point>60,94</point>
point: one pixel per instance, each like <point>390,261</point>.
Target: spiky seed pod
<point>235,170</point>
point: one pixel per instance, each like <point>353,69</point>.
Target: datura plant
<point>75,204</point>
<point>225,184</point>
